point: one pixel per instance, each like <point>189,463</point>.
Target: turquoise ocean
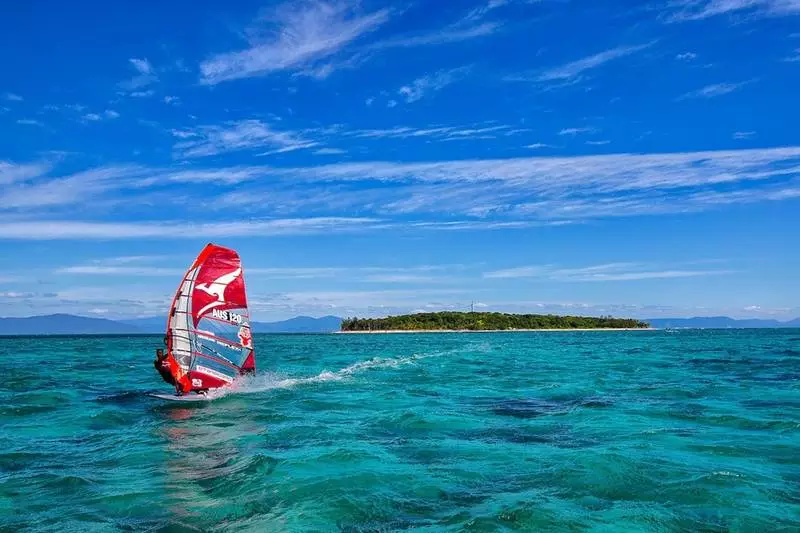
<point>695,431</point>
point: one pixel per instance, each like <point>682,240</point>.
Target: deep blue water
<point>573,431</point>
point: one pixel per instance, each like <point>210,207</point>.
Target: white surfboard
<point>183,398</point>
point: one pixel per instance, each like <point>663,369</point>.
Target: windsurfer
<point>162,365</point>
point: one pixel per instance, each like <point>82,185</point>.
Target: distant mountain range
<point>63,324</point>
<point>715,322</point>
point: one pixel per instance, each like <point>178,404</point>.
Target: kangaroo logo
<point>217,288</point>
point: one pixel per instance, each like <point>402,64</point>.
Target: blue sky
<point>633,158</point>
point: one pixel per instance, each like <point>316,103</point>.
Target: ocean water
<point>695,431</point>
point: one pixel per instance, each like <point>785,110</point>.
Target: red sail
<point>210,342</point>
<point>219,285</point>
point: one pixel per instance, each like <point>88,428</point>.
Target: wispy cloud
<point>329,151</point>
<point>11,173</point>
<point>576,131</point>
<point>136,267</point>
<point>46,192</point>
<point>72,229</point>
<point>689,10</point>
<point>598,143</point>
<point>686,56</point>
<point>455,195</point>
<point>174,100</point>
<point>539,145</point>
<point>104,270</point>
<point>743,134</point>
<point>417,89</point>
<point>235,136</point>
<point>321,71</point>
<point>445,133</point>
<point>566,188</point>
<point>29,122</point>
<point>291,37</point>
<point>96,117</point>
<point>571,72</point>
<point>451,34</point>
<point>713,90</point>
<point>604,272</point>
<point>795,58</point>
<point>11,97</point>
<point>146,76</point>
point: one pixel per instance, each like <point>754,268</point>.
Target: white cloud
<point>329,151</point>
<point>571,72</point>
<point>563,188</point>
<point>713,90</point>
<point>297,34</point>
<point>174,100</point>
<point>142,94</point>
<point>11,173</point>
<point>391,103</point>
<point>686,56</point>
<point>101,270</point>
<point>598,143</point>
<point>576,131</point>
<point>743,134</point>
<point>235,136</point>
<point>451,34</point>
<point>11,97</point>
<point>436,132</point>
<point>417,89</point>
<point>29,122</point>
<point>459,195</point>
<point>72,229</point>
<point>795,58</point>
<point>369,101</point>
<point>146,76</point>
<point>538,145</point>
<point>321,71</point>
<point>688,10</point>
<point>110,113</point>
<point>48,192</point>
<point>142,65</point>
<point>92,117</point>
<point>605,272</point>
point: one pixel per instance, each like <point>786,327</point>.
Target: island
<point>471,321</point>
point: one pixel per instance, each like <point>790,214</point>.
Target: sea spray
<point>266,381</point>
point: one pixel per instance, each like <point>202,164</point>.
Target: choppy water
<point>586,431</point>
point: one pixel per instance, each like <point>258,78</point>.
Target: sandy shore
<point>486,330</point>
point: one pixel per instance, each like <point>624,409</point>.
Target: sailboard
<point>208,339</point>
<point>191,397</point>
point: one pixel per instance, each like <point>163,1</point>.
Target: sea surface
<point>695,431</point>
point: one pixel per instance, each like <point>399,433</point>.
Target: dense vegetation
<point>485,321</point>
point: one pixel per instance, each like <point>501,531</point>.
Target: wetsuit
<point>163,368</point>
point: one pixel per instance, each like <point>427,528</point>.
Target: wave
<point>271,381</point>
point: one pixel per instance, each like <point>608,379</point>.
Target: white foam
<point>270,381</point>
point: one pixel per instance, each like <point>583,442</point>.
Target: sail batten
<point>208,328</point>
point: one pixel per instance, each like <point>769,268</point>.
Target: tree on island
<point>452,320</point>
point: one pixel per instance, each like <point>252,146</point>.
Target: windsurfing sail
<point>209,342</point>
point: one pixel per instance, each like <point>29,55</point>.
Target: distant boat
<point>208,340</point>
